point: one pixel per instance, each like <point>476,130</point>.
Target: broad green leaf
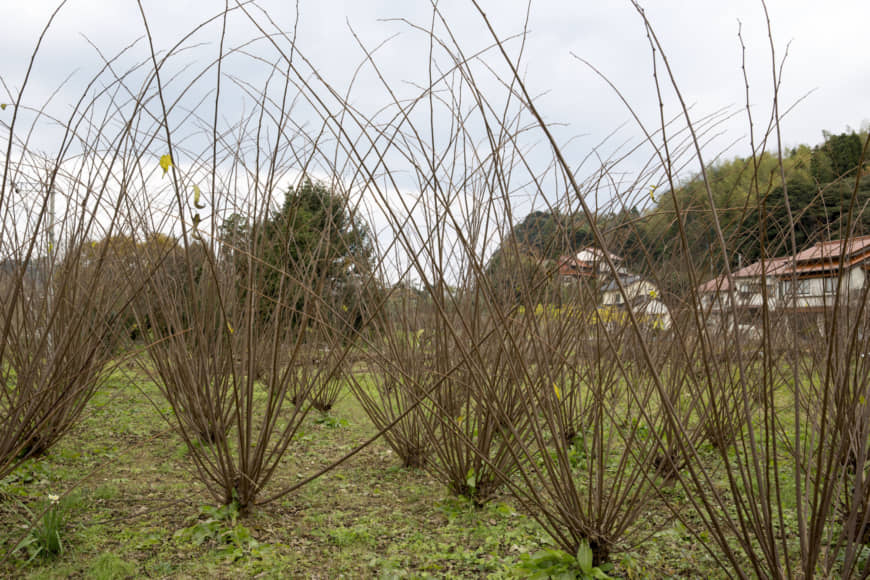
<point>471,479</point>
<point>584,557</point>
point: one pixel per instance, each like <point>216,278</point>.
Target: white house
<point>808,282</point>
<point>748,295</point>
<point>638,291</point>
<point>643,297</point>
<point>803,284</point>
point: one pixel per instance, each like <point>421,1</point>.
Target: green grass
<point>133,508</point>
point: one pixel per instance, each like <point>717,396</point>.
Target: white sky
<point>827,57</point>
<point>827,53</point>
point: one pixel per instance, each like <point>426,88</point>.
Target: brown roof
<point>571,266</point>
<point>830,251</point>
<point>825,256</point>
<point>715,285</point>
<point>821,257</point>
<point>754,270</point>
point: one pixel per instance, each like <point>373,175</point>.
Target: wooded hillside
<point>750,203</point>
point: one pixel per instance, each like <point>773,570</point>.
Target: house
<point>641,294</point>
<point>637,290</point>
<point>748,296</point>
<point>808,281</point>
<point>803,284</point>
<point>587,264</point>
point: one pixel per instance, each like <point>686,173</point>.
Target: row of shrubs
<point>252,308</point>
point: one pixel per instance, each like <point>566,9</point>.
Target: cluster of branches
<point>767,438</point>
<point>251,307</point>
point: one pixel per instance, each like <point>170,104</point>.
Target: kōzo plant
<point>787,426</point>
<point>247,304</point>
<point>59,301</point>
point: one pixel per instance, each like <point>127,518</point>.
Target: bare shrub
<point>398,371</point>
<point>60,302</point>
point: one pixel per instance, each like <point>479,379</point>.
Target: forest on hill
<point>750,203</point>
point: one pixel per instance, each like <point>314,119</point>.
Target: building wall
<point>747,294</point>
<point>820,291</point>
<point>641,288</point>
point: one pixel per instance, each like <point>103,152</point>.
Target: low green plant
<point>219,527</point>
<point>111,567</point>
<point>342,536</point>
<point>331,422</point>
<point>560,565</point>
<point>44,541</point>
<point>210,523</point>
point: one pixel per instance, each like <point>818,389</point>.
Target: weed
<point>109,566</point>
<point>330,422</point>
<point>556,564</point>
<point>44,538</point>
<point>219,528</point>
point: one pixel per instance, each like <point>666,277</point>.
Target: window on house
<point>803,288</point>
<point>830,284</point>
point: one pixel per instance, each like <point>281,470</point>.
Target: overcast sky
<point>827,60</point>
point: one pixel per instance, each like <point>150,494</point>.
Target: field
<point>600,390</point>
<point>131,508</point>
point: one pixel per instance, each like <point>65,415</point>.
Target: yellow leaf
<point>652,193</point>
<point>459,419</point>
<point>558,392</point>
<point>230,328</point>
<point>196,194</point>
<point>3,106</point>
<point>166,163</point>
<point>862,400</point>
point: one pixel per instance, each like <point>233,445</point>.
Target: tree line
<point>750,201</point>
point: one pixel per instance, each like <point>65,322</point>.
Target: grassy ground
<point>131,507</point>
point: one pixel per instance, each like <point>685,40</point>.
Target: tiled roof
<point>719,284</point>
<point>830,251</point>
<point>821,257</point>
<point>772,265</point>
